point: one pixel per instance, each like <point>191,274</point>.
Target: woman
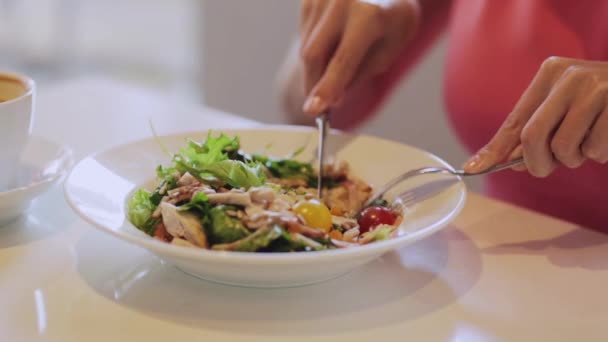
<point>522,78</point>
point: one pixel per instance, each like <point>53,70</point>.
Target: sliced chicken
<point>181,242</point>
<point>262,195</point>
<point>294,226</point>
<point>336,170</point>
<point>231,197</point>
<point>351,235</point>
<point>254,210</point>
<point>183,193</point>
<point>183,225</point>
<point>344,222</point>
<point>186,179</point>
<point>281,203</point>
<point>290,182</point>
<point>343,244</point>
<point>349,196</point>
<point>205,189</point>
<point>306,241</point>
<point>256,217</point>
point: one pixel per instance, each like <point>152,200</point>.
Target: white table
<point>498,273</point>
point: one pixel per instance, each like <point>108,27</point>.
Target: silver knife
<point>323,126</point>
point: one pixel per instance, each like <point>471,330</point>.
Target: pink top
<point>495,49</point>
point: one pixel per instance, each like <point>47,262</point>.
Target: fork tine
<point>424,192</point>
<point>406,199</point>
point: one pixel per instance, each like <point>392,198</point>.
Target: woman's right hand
<point>343,42</point>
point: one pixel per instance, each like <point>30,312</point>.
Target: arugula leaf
<point>328,183</point>
<point>139,211</point>
<point>213,150</point>
<point>295,153</point>
<point>287,168</point>
<point>291,168</point>
<point>157,138</point>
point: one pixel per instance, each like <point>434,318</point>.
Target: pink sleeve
<point>366,98</point>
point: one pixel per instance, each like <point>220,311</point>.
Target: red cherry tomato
<point>375,216</point>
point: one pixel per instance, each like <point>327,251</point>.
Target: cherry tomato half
<point>314,214</point>
<point>374,216</point>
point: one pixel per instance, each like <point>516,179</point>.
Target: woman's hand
<point>345,41</point>
<point>562,118</point>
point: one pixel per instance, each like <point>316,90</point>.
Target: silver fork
<point>410,196</point>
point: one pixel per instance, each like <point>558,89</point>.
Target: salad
<point>215,196</point>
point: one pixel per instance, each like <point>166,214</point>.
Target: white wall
<point>155,42</point>
<point>245,42</point>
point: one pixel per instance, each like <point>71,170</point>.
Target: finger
<point>536,135</point>
<point>378,60</point>
<point>310,12</point>
<point>595,147</point>
<point>518,152</point>
<point>359,35</point>
<point>567,141</point>
<point>306,7</point>
<point>384,52</point>
<point>508,135</point>
<point>321,43</point>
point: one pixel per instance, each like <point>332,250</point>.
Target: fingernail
<point>313,105</point>
<point>473,164</point>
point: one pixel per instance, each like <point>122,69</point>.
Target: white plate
<point>100,185</point>
<point>43,164</point>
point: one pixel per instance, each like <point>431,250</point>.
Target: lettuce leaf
<point>223,228</point>
<point>210,162</point>
<point>287,168</point>
<point>237,174</point>
<point>259,240</point>
<point>213,150</point>
<point>140,209</point>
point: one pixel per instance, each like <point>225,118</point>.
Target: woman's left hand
<point>562,118</point>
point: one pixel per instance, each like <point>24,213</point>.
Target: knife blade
<point>323,127</point>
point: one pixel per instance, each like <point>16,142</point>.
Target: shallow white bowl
<point>100,185</point>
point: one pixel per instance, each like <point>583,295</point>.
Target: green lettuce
<point>287,168</point>
<point>224,229</point>
<point>140,209</point>
<point>381,232</point>
<point>210,161</point>
<point>262,238</point>
<point>236,173</point>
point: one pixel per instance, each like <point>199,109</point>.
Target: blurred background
<point>223,53</point>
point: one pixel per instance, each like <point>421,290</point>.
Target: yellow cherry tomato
<point>314,214</point>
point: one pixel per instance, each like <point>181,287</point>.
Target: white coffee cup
<point>16,117</point>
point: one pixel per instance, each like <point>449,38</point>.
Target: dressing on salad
<point>215,196</point>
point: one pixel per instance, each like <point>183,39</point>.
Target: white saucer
<point>43,164</point>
